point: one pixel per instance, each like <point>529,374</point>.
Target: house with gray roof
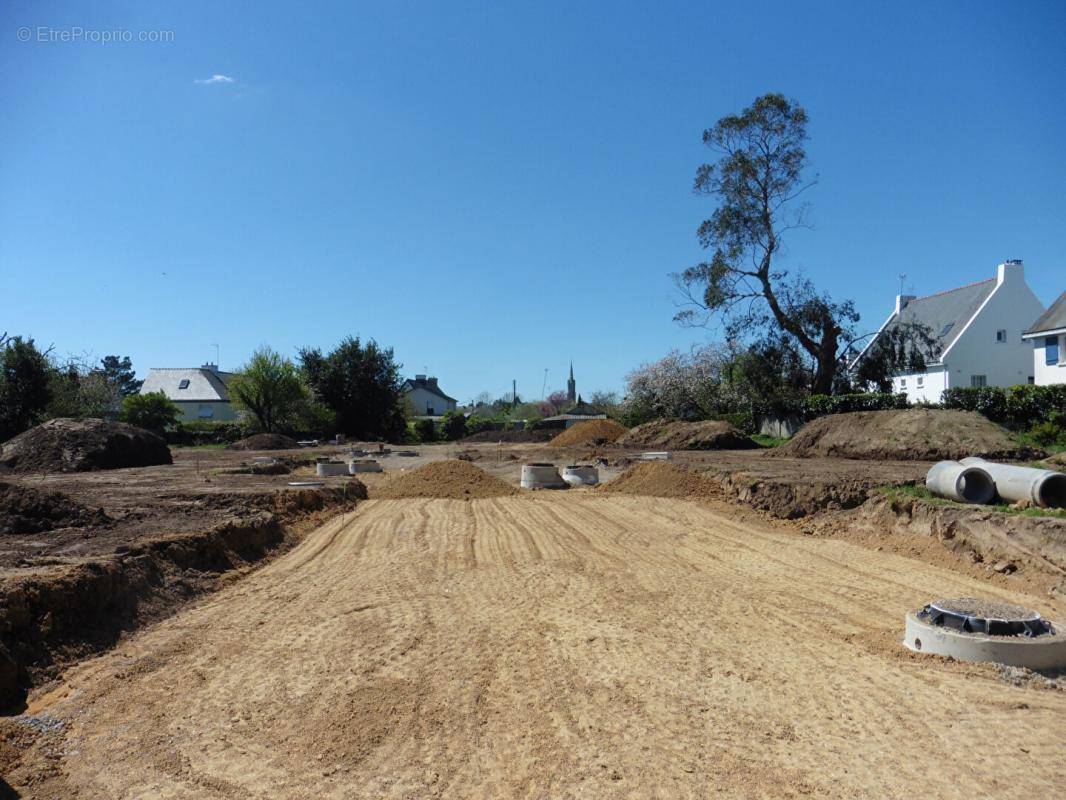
<point>978,329</point>
<point>1048,335</point>
<point>425,397</point>
<point>200,392</point>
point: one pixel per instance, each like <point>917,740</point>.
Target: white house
<point>200,392</point>
<point>426,398</point>
<point>978,329</point>
<point>1048,335</point>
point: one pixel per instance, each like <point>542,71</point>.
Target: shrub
<point>453,426</point>
<point>1016,407</point>
<point>201,432</point>
<point>820,405</point>
<point>477,423</point>
<point>153,411</point>
<point>425,430</point>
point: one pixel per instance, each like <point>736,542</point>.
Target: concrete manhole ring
<point>969,629</point>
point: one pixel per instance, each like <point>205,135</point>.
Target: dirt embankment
<point>795,499</point>
<point>918,434</point>
<point>674,435</point>
<point>452,479</point>
<point>55,615</point>
<point>24,510</point>
<point>524,436</point>
<point>81,445</point>
<point>590,432</point>
<point>265,441</point>
<point>1004,543</point>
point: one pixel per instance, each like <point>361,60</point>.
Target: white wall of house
<point>922,387</point>
<point>427,403</point>
<point>1047,374</point>
<point>991,345</point>
<point>213,411</point>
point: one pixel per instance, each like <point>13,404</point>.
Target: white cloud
<point>216,79</point>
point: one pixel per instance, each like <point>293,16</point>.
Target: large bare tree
<point>757,180</point>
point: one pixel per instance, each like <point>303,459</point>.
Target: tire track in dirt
<point>565,645</point>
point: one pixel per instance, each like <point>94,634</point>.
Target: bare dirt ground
<point>548,645</point>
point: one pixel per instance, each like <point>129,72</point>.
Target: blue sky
<point>495,188</point>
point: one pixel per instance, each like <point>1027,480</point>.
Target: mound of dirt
<point>265,441</point>
<point>590,432</point>
<point>674,435</point>
<point>661,479</point>
<point>512,437</point>
<point>24,510</point>
<point>1057,461</point>
<point>454,480</point>
<point>914,434</point>
<point>81,445</point>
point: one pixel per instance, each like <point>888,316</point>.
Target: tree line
<point>355,388</point>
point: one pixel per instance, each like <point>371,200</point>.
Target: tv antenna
<point>902,280</point>
<point>215,345</point>
<point>544,385</point>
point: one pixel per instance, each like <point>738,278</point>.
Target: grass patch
<point>767,441</point>
<point>1026,440</point>
<point>918,492</point>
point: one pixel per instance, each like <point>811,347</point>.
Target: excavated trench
<point>61,613</point>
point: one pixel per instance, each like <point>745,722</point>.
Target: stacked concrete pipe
<point>961,482</point>
<point>1041,487</point>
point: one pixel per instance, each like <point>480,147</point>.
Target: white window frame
<point>1001,336</point>
<point>975,385</point>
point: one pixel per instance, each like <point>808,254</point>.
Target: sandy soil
<point>549,645</point>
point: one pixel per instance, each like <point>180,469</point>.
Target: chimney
<point>1012,269</point>
<point>210,366</point>
<point>432,382</point>
<point>902,300</point>
<point>420,377</point>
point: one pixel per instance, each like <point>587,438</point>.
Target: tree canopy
<point>24,385</point>
<point>119,373</point>
<point>757,180</point>
<point>361,384</point>
<point>271,389</point>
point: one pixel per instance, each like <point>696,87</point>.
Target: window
<point>184,383</point>
<point>1032,380</point>
<point>978,381</point>
<point>206,412</point>
<point>429,410</point>
<point>1051,350</point>
<point>902,383</point>
<point>1001,336</point>
<point>920,380</point>
<point>946,329</point>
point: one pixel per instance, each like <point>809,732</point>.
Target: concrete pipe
<point>363,465</point>
<point>581,475</point>
<point>955,481</point>
<point>1042,487</point>
<point>542,476</point>
<point>326,469</point>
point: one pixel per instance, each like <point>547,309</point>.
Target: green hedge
<point>1015,407</point>
<point>821,405</point>
<point>191,434</point>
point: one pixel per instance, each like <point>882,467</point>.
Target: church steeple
<point>571,385</point>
